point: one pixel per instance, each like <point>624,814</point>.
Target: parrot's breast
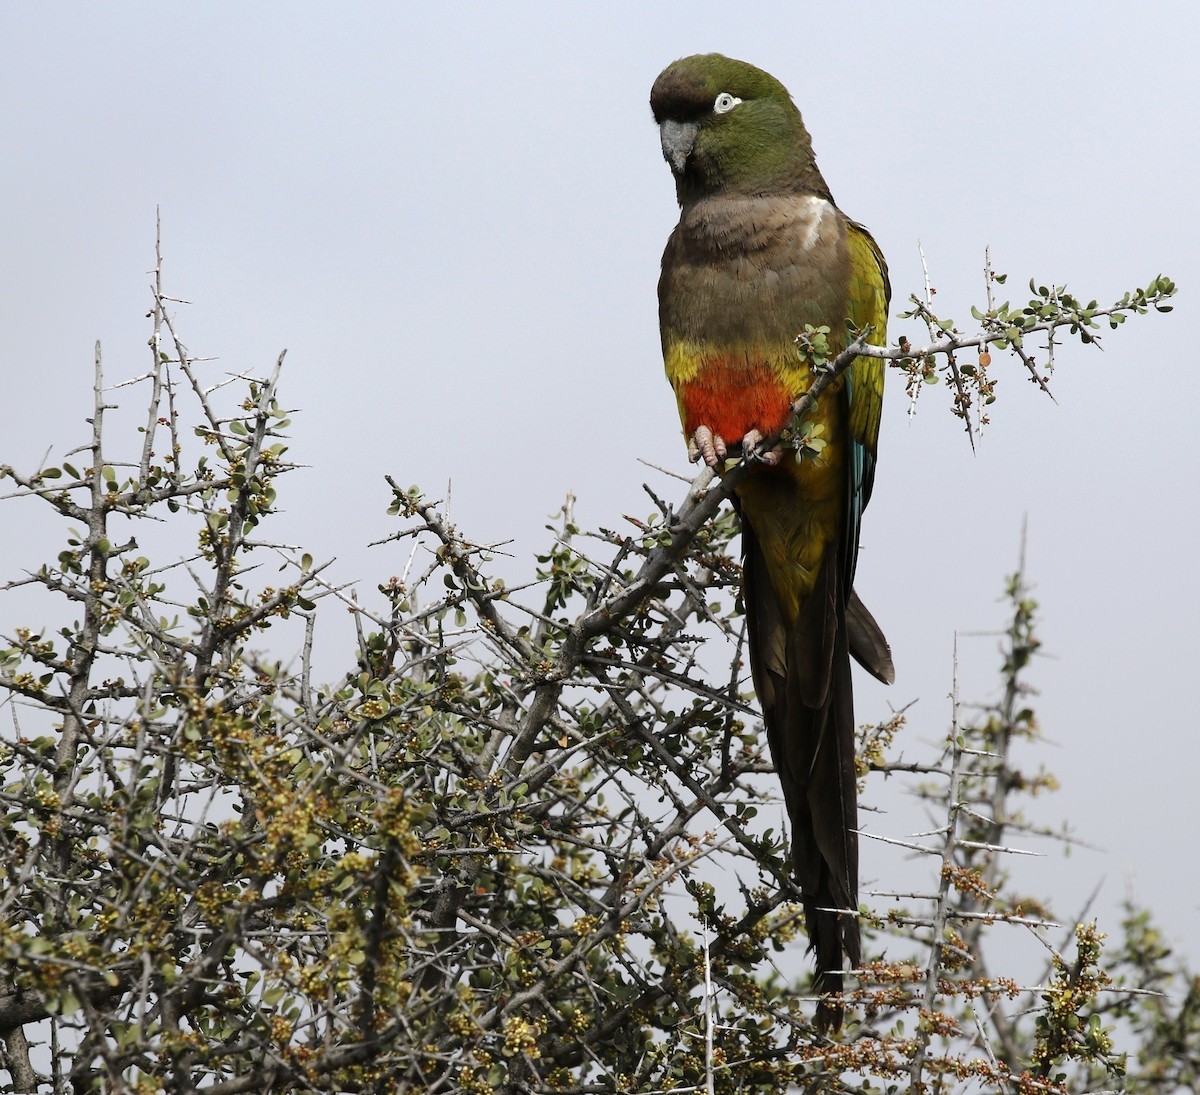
<point>741,278</point>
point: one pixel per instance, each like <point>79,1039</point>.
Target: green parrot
<point>760,251</point>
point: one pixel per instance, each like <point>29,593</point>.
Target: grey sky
<point>452,216</point>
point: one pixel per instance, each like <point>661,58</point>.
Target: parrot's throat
<point>733,398</point>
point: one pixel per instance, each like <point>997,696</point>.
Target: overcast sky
<point>452,215</point>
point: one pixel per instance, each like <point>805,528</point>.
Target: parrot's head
<point>728,126</point>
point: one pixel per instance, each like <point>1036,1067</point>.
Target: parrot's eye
<point>725,103</point>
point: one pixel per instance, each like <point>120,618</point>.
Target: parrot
<point>760,256</point>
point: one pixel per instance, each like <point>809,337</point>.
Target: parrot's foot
<point>707,446</point>
<point>711,448</point>
<point>752,440</point>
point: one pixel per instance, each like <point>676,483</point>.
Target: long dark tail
<point>802,677</point>
<point>824,831</point>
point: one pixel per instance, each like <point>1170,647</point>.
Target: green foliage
<point>1005,326</point>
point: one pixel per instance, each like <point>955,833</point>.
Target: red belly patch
<point>733,398</point>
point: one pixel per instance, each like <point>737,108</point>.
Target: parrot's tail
<point>868,645</point>
<point>824,815</point>
<point>802,677</point>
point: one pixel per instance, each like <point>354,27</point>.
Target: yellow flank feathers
<point>684,361</point>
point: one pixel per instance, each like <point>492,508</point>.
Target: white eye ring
<point>725,102</point>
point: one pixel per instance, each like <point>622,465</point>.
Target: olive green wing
<point>870,295</point>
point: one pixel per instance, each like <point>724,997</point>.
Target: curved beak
<point>677,141</point>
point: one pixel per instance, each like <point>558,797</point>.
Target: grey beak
<point>677,141</point>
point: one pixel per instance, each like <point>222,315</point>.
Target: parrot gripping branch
<point>1004,327</point>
